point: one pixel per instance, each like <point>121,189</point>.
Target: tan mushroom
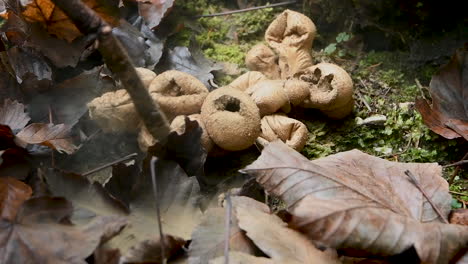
<point>247,80</point>
<point>231,118</point>
<point>178,93</point>
<point>272,95</point>
<point>291,131</point>
<point>331,90</point>
<point>261,58</point>
<point>114,112</point>
<point>146,75</point>
<point>291,35</point>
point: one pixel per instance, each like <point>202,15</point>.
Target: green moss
<point>226,53</point>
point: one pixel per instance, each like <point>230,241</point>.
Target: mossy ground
<point>385,84</point>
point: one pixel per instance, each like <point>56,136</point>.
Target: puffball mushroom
<point>246,80</point>
<point>178,125</point>
<point>291,34</point>
<point>178,93</point>
<point>261,58</point>
<point>146,76</point>
<point>231,118</point>
<point>114,112</point>
<point>271,95</point>
<point>331,90</point>
<point>291,131</point>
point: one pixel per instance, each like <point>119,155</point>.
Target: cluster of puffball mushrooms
<point>253,107</point>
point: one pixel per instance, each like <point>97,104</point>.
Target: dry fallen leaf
<point>13,193</point>
<point>275,239</point>
<point>40,234</point>
<point>12,114</point>
<point>448,115</point>
<point>352,200</point>
<point>153,11</point>
<point>56,22</point>
<point>53,136</point>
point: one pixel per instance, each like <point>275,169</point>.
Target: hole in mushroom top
<point>227,103</point>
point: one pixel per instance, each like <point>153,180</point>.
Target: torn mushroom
<point>231,118</point>
<point>261,58</point>
<point>291,131</point>
<point>178,93</point>
<point>178,125</point>
<point>114,112</point>
<point>291,34</point>
<point>331,90</point>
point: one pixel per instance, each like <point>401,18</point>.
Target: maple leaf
<point>40,234</point>
<point>56,22</point>
<point>352,200</point>
<point>448,115</point>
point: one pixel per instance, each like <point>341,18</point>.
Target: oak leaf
<point>352,200</point>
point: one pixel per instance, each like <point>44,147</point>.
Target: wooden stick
<point>126,158</point>
<point>416,183</point>
<point>118,62</point>
<point>247,9</point>
<point>158,209</point>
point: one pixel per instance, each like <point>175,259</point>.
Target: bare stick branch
<point>227,229</point>
<point>461,162</point>
<point>118,61</point>
<point>126,158</point>
<point>158,210</point>
<point>248,9</point>
<point>416,183</point>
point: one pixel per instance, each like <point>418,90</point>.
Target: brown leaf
<point>12,114</point>
<point>273,237</point>
<point>56,22</point>
<point>153,11</point>
<point>459,217</point>
<point>354,200</point>
<point>38,234</point>
<point>208,239</point>
<point>242,258</point>
<point>149,251</point>
<point>449,92</point>
<point>13,193</point>
<point>53,136</point>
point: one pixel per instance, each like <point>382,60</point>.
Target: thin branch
<point>461,162</point>
<point>227,227</point>
<point>126,158</point>
<point>455,172</point>
<point>247,9</point>
<point>158,210</point>
<point>459,193</point>
<point>118,62</point>
<point>416,183</point>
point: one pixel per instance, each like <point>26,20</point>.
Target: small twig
<point>458,193</point>
<point>52,155</point>
<point>455,172</point>
<point>421,88</point>
<point>416,183</point>
<point>363,100</point>
<point>227,226</point>
<point>126,158</point>
<point>461,162</point>
<point>158,211</point>
<point>247,9</point>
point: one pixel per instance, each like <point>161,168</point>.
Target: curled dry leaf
<point>275,239</point>
<point>39,234</point>
<point>12,114</point>
<point>53,136</point>
<point>13,193</point>
<point>56,22</point>
<point>354,200</point>
<point>448,115</point>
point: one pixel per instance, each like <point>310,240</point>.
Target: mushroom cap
<point>297,91</point>
<point>269,96</point>
<point>178,125</point>
<point>146,75</point>
<point>178,93</point>
<point>291,29</point>
<point>331,90</point>
<point>231,118</point>
<point>247,80</point>
<point>291,131</point>
<point>114,112</point>
<point>263,59</point>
